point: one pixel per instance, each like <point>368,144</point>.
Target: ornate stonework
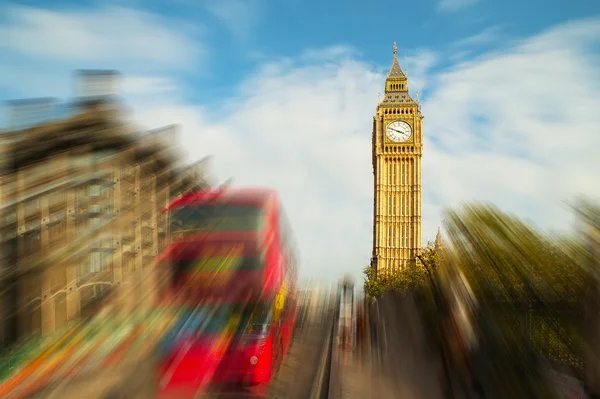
<point>397,147</point>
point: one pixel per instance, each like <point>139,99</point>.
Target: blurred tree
<point>508,260</point>
<point>528,288</point>
<point>587,251</point>
<point>401,280</point>
<point>430,257</point>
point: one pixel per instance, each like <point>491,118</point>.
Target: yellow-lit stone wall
<point>86,222</point>
<point>397,177</point>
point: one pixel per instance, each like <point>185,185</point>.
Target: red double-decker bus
<point>232,282</point>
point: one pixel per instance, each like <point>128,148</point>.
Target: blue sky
<point>282,93</point>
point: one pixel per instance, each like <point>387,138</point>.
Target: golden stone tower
<point>397,149</point>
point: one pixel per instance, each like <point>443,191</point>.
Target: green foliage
<point>400,280</point>
<point>530,289</point>
<point>529,286</point>
<point>509,260</point>
<point>432,257</point>
<point>373,287</point>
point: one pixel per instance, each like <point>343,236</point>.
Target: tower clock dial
<point>398,131</point>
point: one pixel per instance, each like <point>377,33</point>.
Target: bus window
<point>217,264</point>
<point>257,319</point>
<point>215,217</point>
<point>261,315</point>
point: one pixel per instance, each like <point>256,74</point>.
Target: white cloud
<point>454,5</point>
<point>108,33</point>
<point>240,16</point>
<point>333,53</point>
<point>139,85</point>
<point>417,67</point>
<point>40,48</point>
<point>486,36</point>
<point>306,131</point>
<point>518,128</point>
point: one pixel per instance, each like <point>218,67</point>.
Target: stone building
<point>79,215</point>
<point>397,149</point>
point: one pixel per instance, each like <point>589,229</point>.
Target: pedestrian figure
<point>360,326</point>
<point>374,327</point>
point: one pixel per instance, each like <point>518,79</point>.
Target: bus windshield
<point>215,319</point>
<point>260,316</point>
<point>203,320</point>
<point>215,217</point>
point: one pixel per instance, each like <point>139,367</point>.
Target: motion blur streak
<point>498,310</point>
<point>80,226</point>
<point>232,272</point>
<point>126,275</point>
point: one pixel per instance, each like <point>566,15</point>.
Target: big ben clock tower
<point>397,149</point>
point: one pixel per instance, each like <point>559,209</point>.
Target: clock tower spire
<point>396,79</point>
<point>397,147</point>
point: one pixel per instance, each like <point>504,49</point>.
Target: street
<point>126,381</point>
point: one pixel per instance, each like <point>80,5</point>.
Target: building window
<point>95,262</point>
<point>57,230</point>
<point>129,197</point>
<point>57,198</point>
<point>10,217</point>
<point>81,193</point>
<point>9,234</point>
<point>147,235</point>
<point>95,223</point>
<point>105,192</point>
<point>31,242</point>
<point>129,263</point>
<point>94,190</point>
<point>32,207</point>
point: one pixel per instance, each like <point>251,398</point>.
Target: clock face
<point>398,131</point>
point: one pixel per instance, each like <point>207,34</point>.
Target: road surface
<point>294,380</point>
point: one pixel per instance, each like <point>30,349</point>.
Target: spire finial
<point>438,239</point>
<point>378,98</point>
<point>395,48</point>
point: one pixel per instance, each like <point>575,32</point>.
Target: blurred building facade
<point>80,219</point>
